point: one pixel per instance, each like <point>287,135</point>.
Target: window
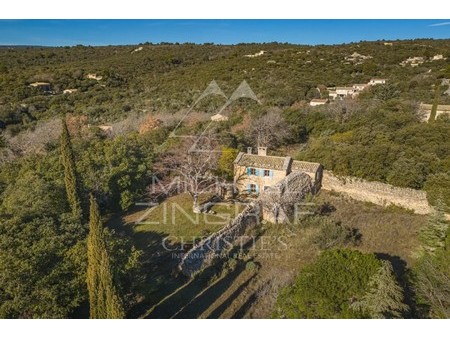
<point>266,173</point>
<point>253,188</point>
<point>266,187</point>
<point>252,171</point>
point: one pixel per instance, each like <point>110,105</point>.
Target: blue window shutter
<point>248,171</point>
<point>261,172</point>
<point>248,188</point>
<point>271,173</point>
<point>256,172</point>
<point>257,188</point>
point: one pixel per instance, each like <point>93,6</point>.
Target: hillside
<point>87,159</point>
<point>167,78</point>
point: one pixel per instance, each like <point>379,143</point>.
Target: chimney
<point>249,150</point>
<point>262,151</point>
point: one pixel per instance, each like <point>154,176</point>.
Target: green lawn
<point>174,218</point>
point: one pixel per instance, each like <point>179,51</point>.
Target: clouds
<point>440,24</point>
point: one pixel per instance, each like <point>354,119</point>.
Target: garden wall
<point>377,193</point>
<point>204,252</point>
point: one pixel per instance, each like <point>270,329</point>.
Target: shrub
<point>326,288</point>
<point>332,234</point>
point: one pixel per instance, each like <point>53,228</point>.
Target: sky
<point>124,32</point>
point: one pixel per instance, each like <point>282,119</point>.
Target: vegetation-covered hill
<point>144,91</point>
<point>168,77</point>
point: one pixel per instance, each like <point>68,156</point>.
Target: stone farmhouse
<point>256,173</point>
<point>341,93</point>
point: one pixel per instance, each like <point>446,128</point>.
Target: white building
<point>358,87</point>
<point>255,55</point>
<point>374,82</point>
<point>318,102</point>
<point>94,77</point>
<point>343,92</point>
<point>219,118</point>
<point>413,61</point>
<point>70,91</point>
<point>438,57</point>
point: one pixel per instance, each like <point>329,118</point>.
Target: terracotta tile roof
<point>274,162</point>
<point>305,166</point>
<point>264,162</point>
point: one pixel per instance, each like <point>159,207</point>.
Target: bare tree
<point>270,129</point>
<point>192,163</point>
<point>280,201</point>
<point>34,141</point>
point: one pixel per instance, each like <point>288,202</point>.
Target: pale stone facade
<point>255,173</point>
<point>318,102</point>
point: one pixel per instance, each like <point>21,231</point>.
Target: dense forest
<point>53,155</point>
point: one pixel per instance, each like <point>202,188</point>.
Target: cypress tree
<point>70,175</point>
<point>103,296</point>
<point>385,297</point>
<point>435,102</point>
<point>434,235</point>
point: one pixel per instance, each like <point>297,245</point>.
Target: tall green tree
<point>103,295</point>
<point>432,271</point>
<point>70,174</point>
<point>435,102</point>
<point>432,283</point>
<point>385,296</point>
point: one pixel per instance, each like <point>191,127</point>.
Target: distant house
<point>388,44</point>
<point>374,82</point>
<point>425,109</point>
<point>437,57</point>
<point>69,91</point>
<point>357,58</point>
<point>44,86</point>
<point>332,94</point>
<point>358,87</point>
<point>255,55</point>
<point>94,77</point>
<point>413,61</point>
<point>137,50</point>
<point>255,173</point>
<point>343,92</point>
<point>219,118</point>
<point>318,102</point>
<point>353,91</point>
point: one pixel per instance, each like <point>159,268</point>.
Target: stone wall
<point>377,193</point>
<point>204,252</point>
